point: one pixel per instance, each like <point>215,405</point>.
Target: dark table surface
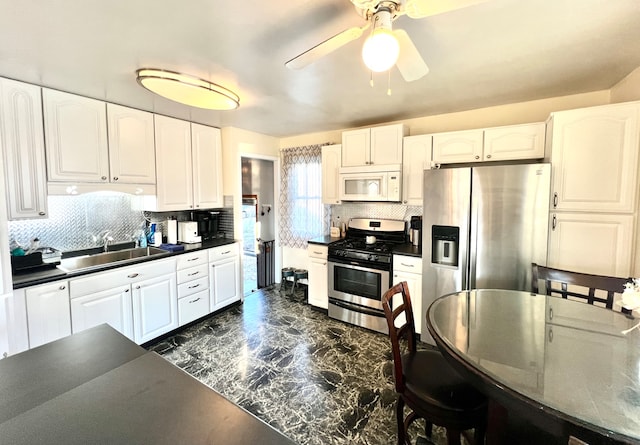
<point>559,359</point>
<point>99,387</point>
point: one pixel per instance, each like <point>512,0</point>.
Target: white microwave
<point>374,183</point>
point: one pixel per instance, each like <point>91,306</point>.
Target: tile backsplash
<point>345,211</point>
<point>77,222</point>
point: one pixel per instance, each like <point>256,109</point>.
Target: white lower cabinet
<point>318,276</point>
<point>409,269</point>
<point>193,286</point>
<point>112,306</point>
<point>155,307</point>
<point>48,313</point>
<point>224,276</point>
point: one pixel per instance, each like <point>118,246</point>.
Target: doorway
<point>258,222</point>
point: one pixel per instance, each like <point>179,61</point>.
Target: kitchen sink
<point>98,260</point>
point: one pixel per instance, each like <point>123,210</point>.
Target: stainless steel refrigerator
<point>482,228</point>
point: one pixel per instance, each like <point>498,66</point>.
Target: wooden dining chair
<point>558,281</point>
<point>426,383</point>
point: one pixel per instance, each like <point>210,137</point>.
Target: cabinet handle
<point>554,221</point>
<point>192,274</point>
<point>550,335</point>
<point>138,287</point>
<point>63,287</point>
<point>133,275</point>
<point>488,156</point>
<point>317,253</point>
<point>404,202</point>
<point>477,157</point>
<point>197,205</point>
<point>555,199</point>
<point>115,178</point>
<point>193,287</point>
<point>5,355</point>
<point>406,265</point>
<point>225,253</point>
<point>193,301</point>
<point>550,313</point>
<point>104,178</point>
<point>194,259</point>
<point>126,290</point>
<point>41,213</point>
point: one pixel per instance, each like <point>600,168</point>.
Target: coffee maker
<point>208,223</point>
<point>415,230</point>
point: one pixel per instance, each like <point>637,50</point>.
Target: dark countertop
<point>99,387</point>
<point>400,249</point>
<point>45,276</point>
<point>323,240</point>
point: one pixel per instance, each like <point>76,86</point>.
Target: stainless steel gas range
<point>360,271</point>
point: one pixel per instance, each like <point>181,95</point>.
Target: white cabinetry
<point>131,145</point>
<point>76,134</point>
<point>140,301</point>
<point>331,161</point>
<point>224,276</point>
<point>318,276</point>
<point>594,155</point>
<point>409,269</point>
<point>511,142</point>
<point>188,158</point>
<point>416,157</point>
<point>48,313</point>
<point>193,286</point>
<point>22,145</point>
<point>377,145</point>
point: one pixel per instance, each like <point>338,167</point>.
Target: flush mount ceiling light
<point>187,89</point>
<point>381,49</point>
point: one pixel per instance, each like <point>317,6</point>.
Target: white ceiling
<point>498,52</point>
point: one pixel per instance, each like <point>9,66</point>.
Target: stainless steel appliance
<point>208,223</point>
<point>360,271</point>
<point>371,183</point>
<point>483,227</point>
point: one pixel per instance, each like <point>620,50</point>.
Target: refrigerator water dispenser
<point>444,242</point>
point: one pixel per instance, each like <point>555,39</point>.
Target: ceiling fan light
<point>381,50</point>
<point>187,90</point>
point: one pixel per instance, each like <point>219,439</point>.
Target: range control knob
<point>373,258</point>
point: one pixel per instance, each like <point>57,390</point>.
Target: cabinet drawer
<point>193,307</point>
<point>193,273</point>
<point>317,251</point>
<point>191,287</point>
<point>223,252</point>
<point>191,259</point>
<point>409,264</point>
<point>122,276</point>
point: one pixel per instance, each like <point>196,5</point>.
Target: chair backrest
<point>407,331</point>
<point>563,278</point>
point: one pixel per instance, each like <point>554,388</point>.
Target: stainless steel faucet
<point>106,238</point>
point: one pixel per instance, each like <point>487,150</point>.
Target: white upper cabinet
<point>511,142</point>
<point>331,158</point>
<point>188,164</point>
<point>22,145</point>
<point>206,150</point>
<point>594,153</point>
<point>416,157</point>
<point>377,145</point>
<point>132,156</point>
<point>76,138</point>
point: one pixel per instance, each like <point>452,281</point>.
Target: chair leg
<point>478,435</point>
<point>453,437</point>
<point>428,428</point>
<point>400,421</point>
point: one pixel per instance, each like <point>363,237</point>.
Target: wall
<point>627,89</point>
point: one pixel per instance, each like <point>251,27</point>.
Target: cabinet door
<point>356,145</point>
<point>402,271</point>
<point>457,146</point>
<point>4,326</point>
<point>224,283</point>
<point>155,308</point>
<point>331,159</point>
<point>591,243</point>
<point>318,282</point>
<point>76,133</point>
<point>112,306</point>
<point>132,157</point>
<point>22,144</point>
<point>206,148</point>
<point>193,307</point>
<point>514,142</point>
<point>594,153</point>
<point>386,144</point>
<point>416,157</point>
<point>173,162</point>
<point>48,313</point>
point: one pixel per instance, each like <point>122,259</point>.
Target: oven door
<point>358,283</point>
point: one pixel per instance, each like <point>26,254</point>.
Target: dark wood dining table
<point>565,365</point>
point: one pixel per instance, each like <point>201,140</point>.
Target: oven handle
<point>359,265</point>
<point>357,308</point>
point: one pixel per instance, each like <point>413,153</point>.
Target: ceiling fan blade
<point>326,47</point>
<point>417,9</point>
<point>410,62</point>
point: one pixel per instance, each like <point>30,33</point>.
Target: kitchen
<point>237,141</point>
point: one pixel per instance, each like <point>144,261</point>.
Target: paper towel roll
<point>172,231</point>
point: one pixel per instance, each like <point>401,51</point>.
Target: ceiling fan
<point>384,47</point>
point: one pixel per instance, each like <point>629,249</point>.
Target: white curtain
<point>302,214</point>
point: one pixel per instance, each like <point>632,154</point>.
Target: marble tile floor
<point>317,380</point>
